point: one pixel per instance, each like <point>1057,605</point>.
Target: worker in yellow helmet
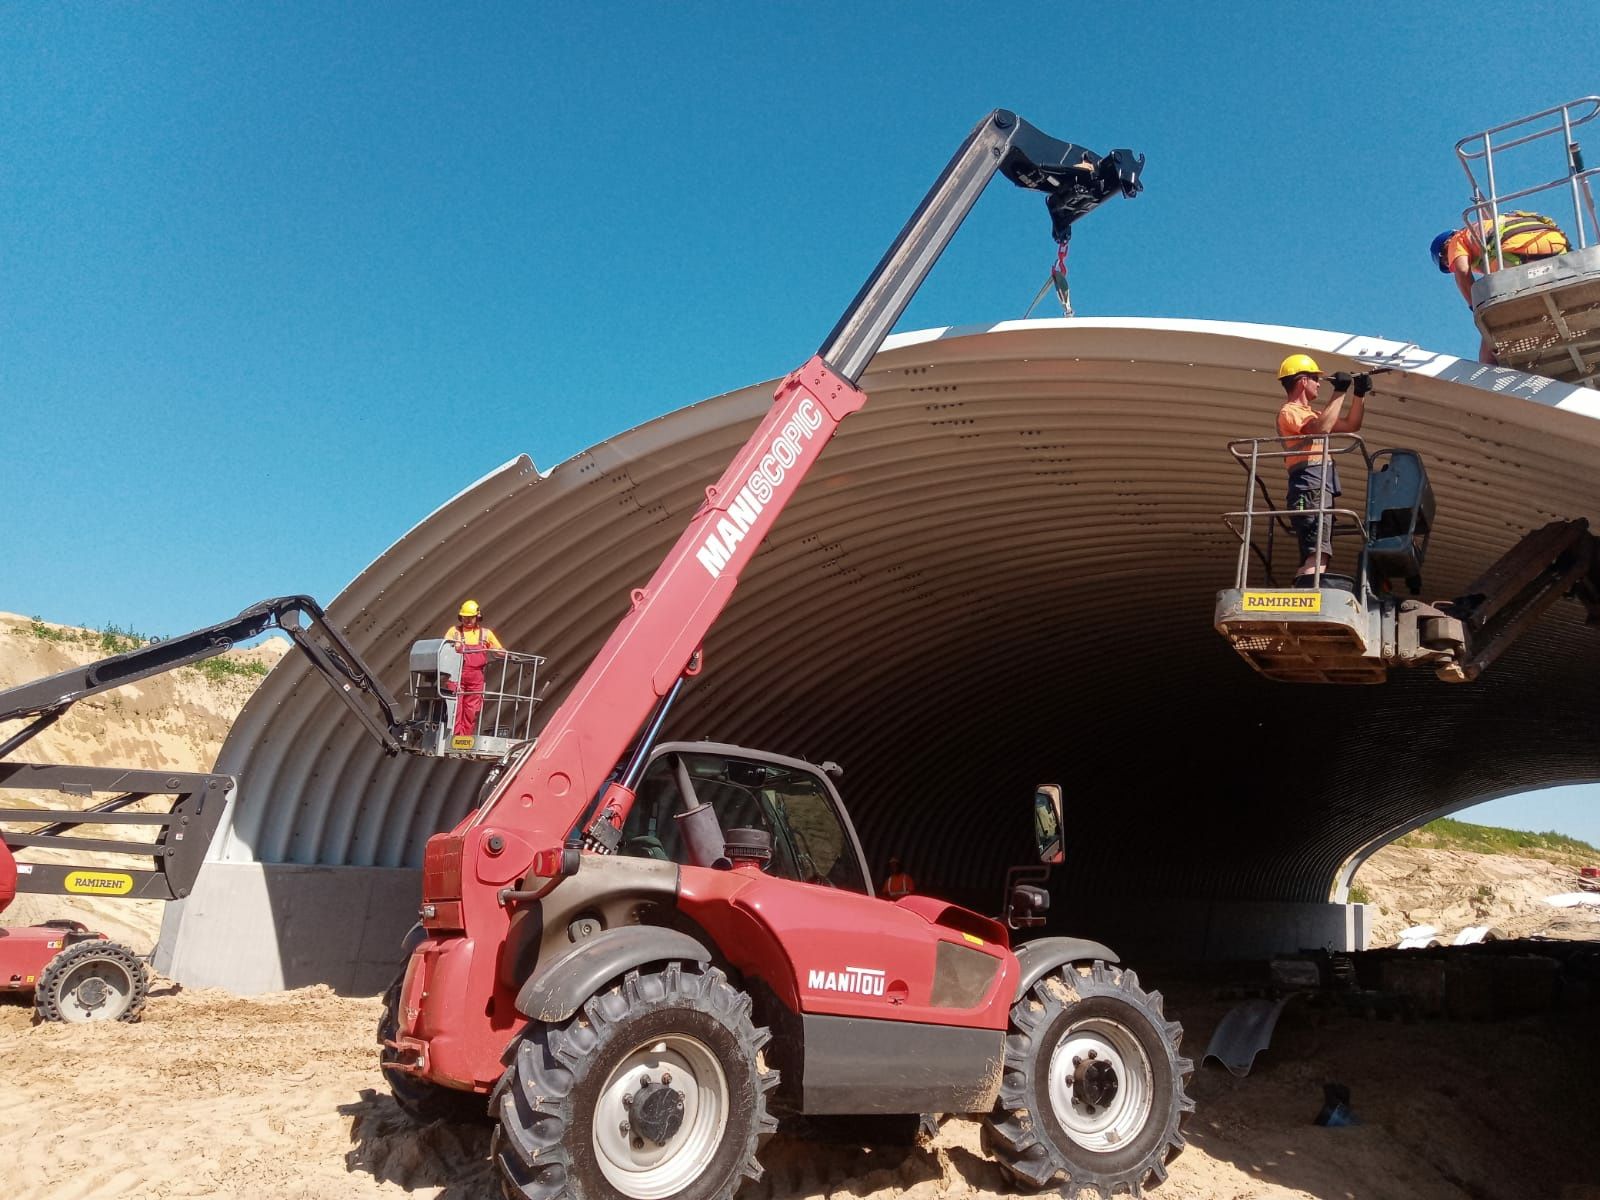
<point>1313,480</point>
<point>476,641</point>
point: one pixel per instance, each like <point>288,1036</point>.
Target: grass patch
<point>1449,834</point>
<point>114,639</point>
<point>225,670</point>
<point>1359,894</point>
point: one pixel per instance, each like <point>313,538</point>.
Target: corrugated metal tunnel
<point>1001,572</point>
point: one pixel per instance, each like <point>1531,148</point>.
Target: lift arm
<point>44,700</point>
<point>182,832</point>
<point>581,748</point>
<point>1556,560</point>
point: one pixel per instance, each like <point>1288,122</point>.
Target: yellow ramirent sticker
<point>100,883</point>
<point>461,743</point>
<point>1283,602</point>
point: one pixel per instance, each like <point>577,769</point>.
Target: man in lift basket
<point>1310,466</point>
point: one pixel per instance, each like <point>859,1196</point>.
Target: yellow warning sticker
<point>1283,602</point>
<point>100,883</point>
<point>461,743</point>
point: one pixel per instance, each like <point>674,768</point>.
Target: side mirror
<point>1027,906</point>
<point>1047,823</point>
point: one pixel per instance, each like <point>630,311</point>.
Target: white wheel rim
<point>95,989</point>
<point>1101,1128</point>
<point>647,1170</point>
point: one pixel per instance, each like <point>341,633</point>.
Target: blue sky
<point>277,280</point>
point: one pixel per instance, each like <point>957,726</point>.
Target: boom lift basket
<point>1542,315</point>
<point>509,694</point>
<point>1327,627</point>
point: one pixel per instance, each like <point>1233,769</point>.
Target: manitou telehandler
<point>642,953</point>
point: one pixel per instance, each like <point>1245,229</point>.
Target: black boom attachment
<point>1075,180</point>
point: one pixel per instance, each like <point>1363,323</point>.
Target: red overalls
<point>474,658</point>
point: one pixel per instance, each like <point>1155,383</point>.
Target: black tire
<point>420,1100</point>
<point>1108,1040</point>
<point>561,1109</point>
<point>94,980</point>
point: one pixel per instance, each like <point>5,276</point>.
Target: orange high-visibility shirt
<point>1294,419</point>
<point>1525,236</point>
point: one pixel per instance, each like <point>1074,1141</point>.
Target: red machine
<point>72,973</point>
<point>644,953</point>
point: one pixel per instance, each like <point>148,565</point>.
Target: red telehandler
<point>643,953</point>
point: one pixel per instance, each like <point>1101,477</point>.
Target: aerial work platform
<point>1541,316</point>
<point>1327,627</point>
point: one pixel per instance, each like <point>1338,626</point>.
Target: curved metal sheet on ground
<point>1002,571</point>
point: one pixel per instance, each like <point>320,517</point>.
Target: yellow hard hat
<point>1298,364</point>
<point>469,608</point>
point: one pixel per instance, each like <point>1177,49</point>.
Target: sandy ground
<point>213,1095</point>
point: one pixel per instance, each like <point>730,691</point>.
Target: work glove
<point>1341,382</point>
<point>1363,385</point>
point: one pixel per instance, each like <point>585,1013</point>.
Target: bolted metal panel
<point>1002,571</point>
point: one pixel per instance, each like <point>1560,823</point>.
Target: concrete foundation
<point>253,927</point>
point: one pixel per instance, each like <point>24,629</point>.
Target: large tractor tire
<point>94,980</point>
<point>655,1088</point>
<point>1092,1096</point>
<point>420,1100</point>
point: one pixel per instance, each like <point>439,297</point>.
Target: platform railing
<point>1250,454</point>
<point>1487,198</point>
<point>510,695</point>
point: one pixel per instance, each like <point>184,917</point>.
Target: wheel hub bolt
<point>623,1128</point>
<point>1077,1061</point>
<point>666,1077</point>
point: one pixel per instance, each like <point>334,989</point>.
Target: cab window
<point>809,842</point>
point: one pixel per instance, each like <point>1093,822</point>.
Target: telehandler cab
<point>643,954</point>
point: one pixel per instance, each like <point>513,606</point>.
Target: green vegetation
<point>115,639</point>
<point>224,670</point>
<point>39,629</point>
<point>1448,834</point>
<point>1359,894</point>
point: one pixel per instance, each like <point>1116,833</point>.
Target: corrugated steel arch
<point>1001,571</point>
